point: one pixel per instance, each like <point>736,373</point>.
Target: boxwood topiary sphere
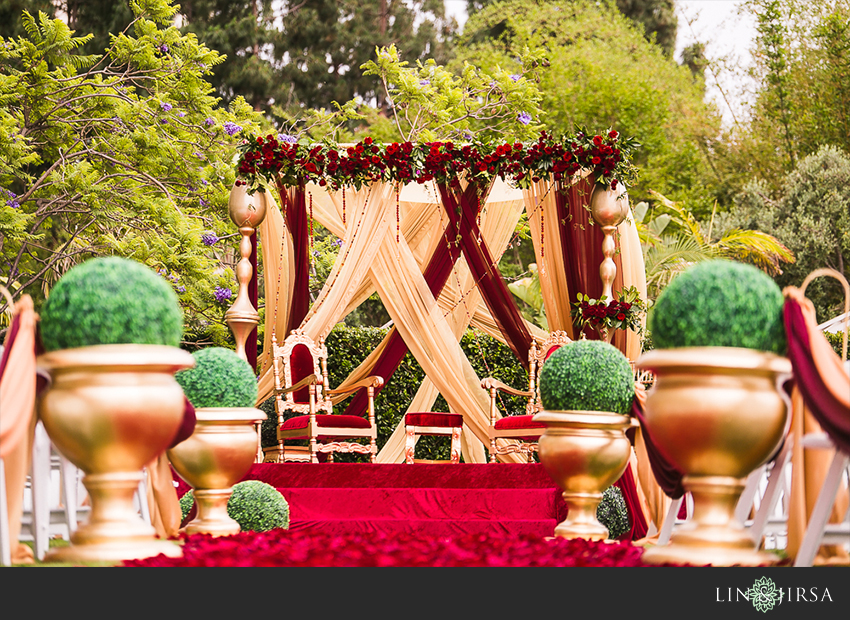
<point>613,513</point>
<point>220,378</point>
<point>110,300</point>
<point>254,505</point>
<point>587,375</point>
<point>720,303</point>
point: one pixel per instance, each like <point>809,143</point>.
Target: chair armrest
<point>308,380</point>
<point>490,383</point>
<point>369,382</point>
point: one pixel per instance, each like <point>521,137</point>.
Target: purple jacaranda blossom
<point>285,137</point>
<point>181,114</point>
<point>209,122</point>
<point>209,239</point>
<point>181,289</point>
<point>524,118</point>
<point>203,202</point>
<point>163,48</point>
<point>165,106</point>
<point>425,82</point>
<point>222,294</point>
<point>515,77</point>
<point>231,128</point>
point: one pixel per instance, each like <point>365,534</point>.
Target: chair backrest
<point>537,355</point>
<point>298,357</point>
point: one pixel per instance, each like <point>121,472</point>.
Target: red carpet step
<point>420,499</point>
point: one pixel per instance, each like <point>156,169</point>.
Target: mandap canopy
<point>425,225</point>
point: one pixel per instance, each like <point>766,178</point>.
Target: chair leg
<point>40,485</point>
<point>775,486</point>
<point>492,450</point>
<point>409,445</point>
<point>820,514</point>
<point>69,492</point>
<point>5,540</point>
<point>669,520</point>
<point>456,445</point>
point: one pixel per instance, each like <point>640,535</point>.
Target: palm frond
<point>755,247</point>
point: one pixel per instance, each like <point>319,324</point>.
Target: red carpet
<point>421,499</point>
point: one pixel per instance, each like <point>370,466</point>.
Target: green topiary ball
<point>587,375</point>
<point>254,505</point>
<point>110,301</point>
<point>613,513</point>
<point>720,303</point>
<point>220,378</point>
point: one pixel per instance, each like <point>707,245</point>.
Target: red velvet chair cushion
<point>445,420</point>
<point>325,421</point>
<point>551,351</point>
<point>301,365</point>
<point>512,422</point>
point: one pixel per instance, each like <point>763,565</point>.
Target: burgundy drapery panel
<point>832,416</point>
<point>667,473</point>
<point>581,246</point>
<point>295,217</point>
<point>462,209</point>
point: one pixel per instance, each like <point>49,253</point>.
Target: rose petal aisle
<point>285,548</point>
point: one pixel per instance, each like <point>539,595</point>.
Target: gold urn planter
<point>584,452</point>
<point>111,410</point>
<point>216,456</point>
<point>718,413</point>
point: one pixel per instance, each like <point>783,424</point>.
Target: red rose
<point>621,317</point>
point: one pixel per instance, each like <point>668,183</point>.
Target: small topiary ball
<point>254,505</point>
<point>720,303</point>
<point>220,378</point>
<point>613,513</point>
<point>587,375</point>
<point>110,300</point>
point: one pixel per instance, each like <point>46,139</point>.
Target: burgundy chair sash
<point>830,413</point>
<point>667,474</point>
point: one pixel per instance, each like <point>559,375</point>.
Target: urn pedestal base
<point>114,531</point>
<point>212,513</point>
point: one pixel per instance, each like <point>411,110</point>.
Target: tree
<point>601,72</point>
<point>811,215</point>
<point>802,98</point>
<point>656,17</point>
<point>10,15</point>
<point>285,57</point>
<point>122,153</point>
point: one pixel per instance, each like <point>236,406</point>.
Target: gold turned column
<point>608,210</point>
<point>247,212</point>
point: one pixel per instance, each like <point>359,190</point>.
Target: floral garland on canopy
<point>275,159</point>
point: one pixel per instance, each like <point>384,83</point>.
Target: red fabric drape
<point>462,208</point>
<point>295,217</point>
<point>251,344</point>
<point>832,416</point>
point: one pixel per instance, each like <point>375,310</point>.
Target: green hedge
<point>836,339</point>
<point>349,346</point>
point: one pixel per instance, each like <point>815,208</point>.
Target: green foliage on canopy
<point>601,72</point>
<point>124,153</point>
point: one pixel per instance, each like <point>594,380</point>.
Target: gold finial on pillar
<point>608,209</point>
<point>247,212</point>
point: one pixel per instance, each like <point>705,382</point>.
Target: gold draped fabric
<point>17,422</point>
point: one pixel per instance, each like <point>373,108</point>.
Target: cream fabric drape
<point>17,422</point>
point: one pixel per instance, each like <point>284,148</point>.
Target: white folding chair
<point>818,530</point>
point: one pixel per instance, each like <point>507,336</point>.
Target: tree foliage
<point>601,72</point>
<point>811,215</point>
<point>125,153</point>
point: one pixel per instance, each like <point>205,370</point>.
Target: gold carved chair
<point>432,423</point>
<point>301,387</point>
<point>521,429</point>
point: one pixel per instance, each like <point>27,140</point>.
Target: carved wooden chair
<point>301,387</point>
<point>521,428</point>
<point>432,423</point>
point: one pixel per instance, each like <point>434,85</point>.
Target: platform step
<point>427,527</point>
<point>430,503</point>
